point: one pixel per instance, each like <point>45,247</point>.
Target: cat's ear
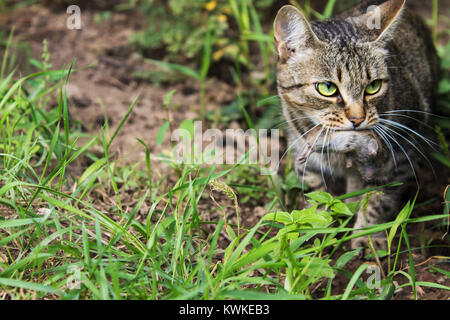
<point>292,32</point>
<point>380,20</point>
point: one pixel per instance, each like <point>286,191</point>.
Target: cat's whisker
<point>399,125</point>
<point>281,121</point>
<point>297,119</point>
<point>286,122</point>
<point>380,132</point>
<point>295,142</point>
<point>417,111</point>
<point>307,159</point>
<point>413,137</point>
<point>405,116</point>
<point>412,144</point>
<point>330,167</point>
<point>404,152</point>
<point>321,158</point>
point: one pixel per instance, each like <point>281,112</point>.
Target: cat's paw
<point>304,154</point>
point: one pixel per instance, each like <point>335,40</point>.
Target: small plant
<point>180,26</point>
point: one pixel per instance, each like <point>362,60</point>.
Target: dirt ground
<point>109,87</point>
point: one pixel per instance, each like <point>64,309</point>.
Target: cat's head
<point>334,72</point>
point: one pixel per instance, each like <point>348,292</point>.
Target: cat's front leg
<point>307,173</point>
<point>376,208</point>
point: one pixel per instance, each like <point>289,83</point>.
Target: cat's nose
<point>356,121</point>
<point>355,113</point>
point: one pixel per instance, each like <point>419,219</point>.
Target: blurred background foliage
<point>232,40</point>
<point>180,26</point>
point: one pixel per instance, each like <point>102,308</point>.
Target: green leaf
<point>319,268</point>
<point>290,232</point>
<point>354,279</point>
<point>444,87</point>
<point>380,254</point>
<point>345,258</point>
<point>314,269</point>
<point>27,285</point>
<point>444,272</point>
<point>320,219</point>
<point>168,98</point>
<point>240,248</point>
<point>340,207</point>
<point>354,206</point>
<point>320,196</point>
<point>97,165</point>
<point>364,191</point>
<point>188,125</point>
<point>19,222</point>
<point>268,101</point>
<point>36,63</point>
<point>162,132</point>
<point>292,182</point>
<point>329,9</point>
<point>426,284</point>
<point>122,122</point>
<point>281,217</point>
<point>176,67</point>
<point>256,254</point>
<point>442,159</point>
<point>401,217</point>
<point>257,295</point>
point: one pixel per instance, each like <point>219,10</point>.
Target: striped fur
<point>350,54</point>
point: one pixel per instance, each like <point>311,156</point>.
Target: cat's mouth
<point>365,128</point>
<point>345,124</point>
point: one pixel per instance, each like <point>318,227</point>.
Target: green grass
<point>56,235</point>
<point>85,237</point>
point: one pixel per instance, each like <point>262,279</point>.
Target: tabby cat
<point>373,72</point>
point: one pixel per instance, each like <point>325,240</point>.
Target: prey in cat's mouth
<point>362,150</point>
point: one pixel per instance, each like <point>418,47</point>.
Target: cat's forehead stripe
<point>335,30</point>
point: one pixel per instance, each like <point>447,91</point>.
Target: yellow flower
<point>226,10</point>
<point>210,6</point>
<point>222,18</point>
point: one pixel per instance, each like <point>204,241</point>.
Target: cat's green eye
<point>373,87</point>
<point>326,89</point>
